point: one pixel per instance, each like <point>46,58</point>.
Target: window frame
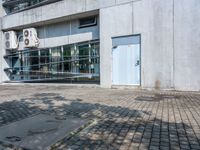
<point>87,24</point>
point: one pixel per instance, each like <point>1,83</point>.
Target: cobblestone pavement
<point>123,119</point>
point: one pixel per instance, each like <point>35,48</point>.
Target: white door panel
<point>126,65</point>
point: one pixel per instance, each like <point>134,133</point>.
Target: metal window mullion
<point>89,58</point>
<point>58,62</point>
<point>39,54</point>
<point>75,57</point>
<point>62,58</point>
<point>50,67</point>
<point>22,63</point>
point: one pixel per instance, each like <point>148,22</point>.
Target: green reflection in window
<point>74,63</point>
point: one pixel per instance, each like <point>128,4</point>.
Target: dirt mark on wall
<point>157,84</point>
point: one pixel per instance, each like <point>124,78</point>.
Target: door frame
<point>140,51</point>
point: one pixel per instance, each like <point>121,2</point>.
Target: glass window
<point>15,60</point>
<point>16,65</point>
<point>30,65</point>
<point>44,63</point>
<point>67,57</point>
<point>87,22</point>
<point>84,54</point>
<point>56,58</point>
<point>94,51</point>
<point>69,63</point>
<point>44,56</point>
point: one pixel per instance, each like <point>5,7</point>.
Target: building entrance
<point>126,61</point>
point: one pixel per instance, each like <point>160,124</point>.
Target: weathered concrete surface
<point>169,35</point>
<point>3,63</point>
<point>63,33</point>
<point>112,23</point>
<point>187,45</point>
<point>154,21</point>
<point>62,9</point>
<point>39,132</point>
<point>1,55</point>
<point>169,46</point>
<point>124,119</point>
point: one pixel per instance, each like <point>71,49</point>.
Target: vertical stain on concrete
<point>157,84</point>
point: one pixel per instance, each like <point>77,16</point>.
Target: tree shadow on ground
<point>115,128</point>
<point>114,135</point>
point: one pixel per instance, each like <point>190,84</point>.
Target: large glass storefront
<point>69,63</point>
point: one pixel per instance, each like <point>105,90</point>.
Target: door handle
<point>137,63</point>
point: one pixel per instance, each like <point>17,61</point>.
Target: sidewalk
<point>122,119</point>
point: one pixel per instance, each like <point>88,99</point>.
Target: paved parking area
<point>121,119</point>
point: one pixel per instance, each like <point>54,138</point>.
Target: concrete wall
<point>1,56</point>
<point>169,41</point>
<point>2,11</point>
<point>3,63</point>
<point>169,35</point>
<point>112,23</point>
<point>61,10</point>
<point>187,44</point>
<point>153,20</point>
<point>64,33</point>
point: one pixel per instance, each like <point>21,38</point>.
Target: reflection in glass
<point>84,58</point>
<point>56,61</point>
<point>67,57</point>
<point>44,63</point>
<point>68,63</point>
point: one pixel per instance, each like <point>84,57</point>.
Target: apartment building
<point>149,44</point>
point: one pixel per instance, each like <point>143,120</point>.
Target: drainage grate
<point>147,98</point>
<point>170,96</point>
<point>156,97</point>
<point>39,132</point>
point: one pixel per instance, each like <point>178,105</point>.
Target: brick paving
<point>122,119</point>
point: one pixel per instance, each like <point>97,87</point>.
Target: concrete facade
<point>65,32</point>
<point>169,35</point>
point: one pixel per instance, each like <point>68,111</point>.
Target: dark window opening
<point>87,22</point>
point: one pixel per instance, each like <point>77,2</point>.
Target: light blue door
<point>126,61</point>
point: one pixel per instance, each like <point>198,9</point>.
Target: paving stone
<point>164,148</point>
<point>195,146</point>
<point>153,147</point>
<point>155,140</point>
<point>173,122</point>
<point>153,143</point>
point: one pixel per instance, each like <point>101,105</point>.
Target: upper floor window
<point>87,22</point>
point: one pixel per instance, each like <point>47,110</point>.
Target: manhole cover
<point>39,132</point>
